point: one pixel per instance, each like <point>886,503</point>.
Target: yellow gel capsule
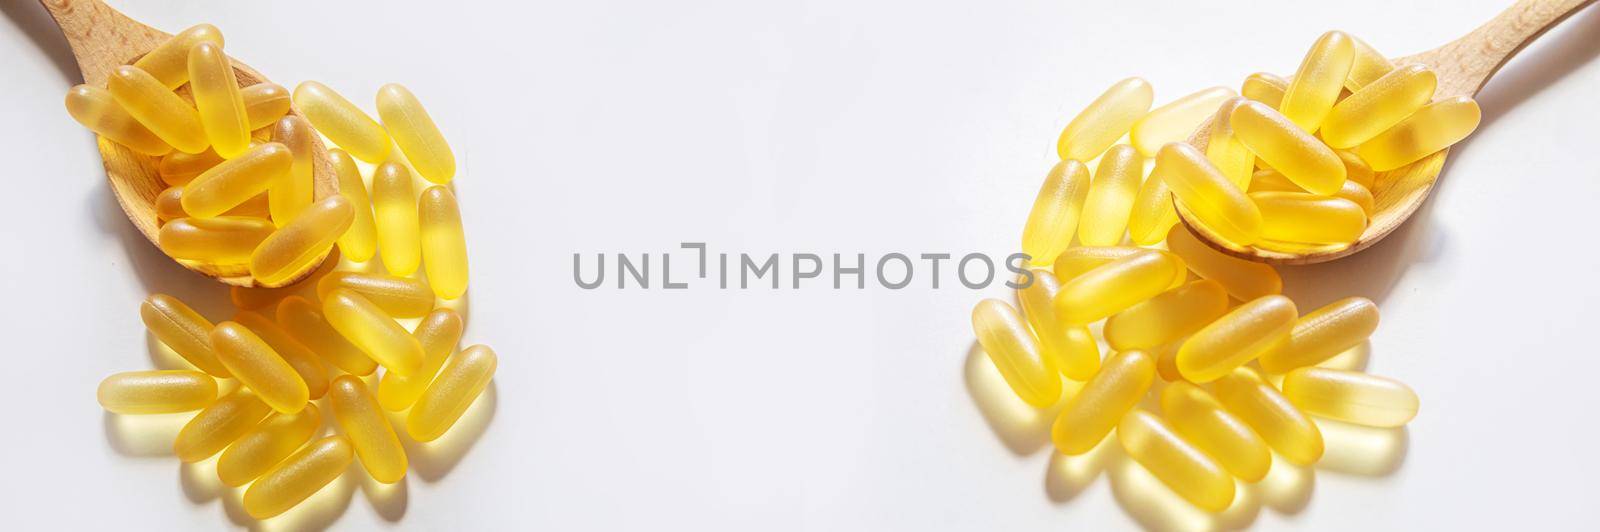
<point>258,367</point>
<point>184,330</point>
<point>1289,150</point>
<point>255,298</point>
<point>1054,218</point>
<point>395,208</point>
<point>219,424</point>
<point>1167,363</point>
<point>264,103</point>
<point>459,383</point>
<point>178,168</point>
<point>1101,403</point>
<point>1308,218</point>
<point>169,62</point>
<point>1434,127</point>
<point>1215,200</point>
<point>306,364</point>
<point>1197,417</point>
<point>305,323</point>
<point>343,122</point>
<point>444,243</point>
<point>1224,149</point>
<point>235,181</point>
<point>295,247</point>
<point>360,242</point>
<point>1322,334</point>
<point>1015,352</point>
<point>1378,106</point>
<point>266,445</point>
<point>156,392</point>
<point>1110,198</point>
<point>1078,259</point>
<point>1236,338</point>
<point>217,96</point>
<point>1105,120</point>
<point>1366,65</point>
<point>414,131</point>
<point>169,206</point>
<point>1180,465</point>
<point>1069,348</point>
<point>1170,316</point>
<point>1316,85</point>
<point>1243,279</point>
<point>1272,181</point>
<point>1153,213</point>
<point>399,297</point>
<point>298,477</point>
<point>438,334</point>
<point>1176,121</point>
<point>220,240</point>
<point>158,108</point>
<point>1115,286</point>
<point>1357,169</point>
<point>373,331</point>
<point>1264,87</point>
<point>97,110</point>
<point>1351,396</point>
<point>1253,400</point>
<point>368,428</point>
<point>290,193</point>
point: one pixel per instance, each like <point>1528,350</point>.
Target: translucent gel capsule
<point>1054,218</point>
<point>169,206</point>
<point>298,477</point>
<point>1179,464</point>
<point>306,364</point>
<point>444,244</point>
<point>169,61</point>
<point>395,207</point>
<point>399,297</point>
<point>360,242</point>
<point>1153,213</point>
<point>1243,279</point>
<point>414,131</point>
<point>1264,87</point>
<point>1110,197</point>
<point>1215,200</point>
<point>1237,337</point>
<point>343,122</point>
<point>1015,352</point>
<point>1356,169</point>
<point>1434,127</point>
<point>1253,400</point>
<point>271,441</point>
<point>1200,420</point>
<point>290,193</point>
<point>1078,259</point>
<point>438,333</point>
<point>158,108</point>
<point>1168,317</point>
<point>220,240</point>
<point>178,168</point>
<point>305,323</point>
<point>264,103</point>
<point>1105,120</point>
<point>1308,218</point>
<point>184,330</point>
<point>1366,66</point>
<point>1101,403</point>
<point>1323,333</point>
<point>216,95</point>
<point>1378,106</point>
<point>97,110</point>
<point>1069,348</point>
<point>296,247</point>
<point>1116,285</point>
<point>1351,396</point>
<point>1288,149</point>
<point>374,332</point>
<point>1224,150</point>
<point>1176,121</point>
<point>459,383</point>
<point>258,367</point>
<point>1272,181</point>
<point>156,392</point>
<point>235,181</point>
<point>1316,85</point>
<point>219,424</point>
<point>368,428</point>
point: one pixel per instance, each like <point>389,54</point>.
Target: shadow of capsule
<point>1067,476</point>
<point>199,480</point>
<point>1022,428</point>
<point>1362,451</point>
<point>389,500</point>
<point>1287,487</point>
<point>435,459</point>
<point>144,436</point>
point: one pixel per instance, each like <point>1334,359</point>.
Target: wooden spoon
<point>103,39</point>
<point>1463,66</point>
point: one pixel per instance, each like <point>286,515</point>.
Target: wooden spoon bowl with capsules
<point>1462,67</point>
<point>103,39</point>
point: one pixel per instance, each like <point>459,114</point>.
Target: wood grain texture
<point>102,39</point>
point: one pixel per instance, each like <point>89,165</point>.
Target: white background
<point>820,126</point>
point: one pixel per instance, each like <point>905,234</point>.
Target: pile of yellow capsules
<point>1238,364</point>
<point>238,202</point>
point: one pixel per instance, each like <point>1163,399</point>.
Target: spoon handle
<point>101,38</point>
<point>1465,64</point>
